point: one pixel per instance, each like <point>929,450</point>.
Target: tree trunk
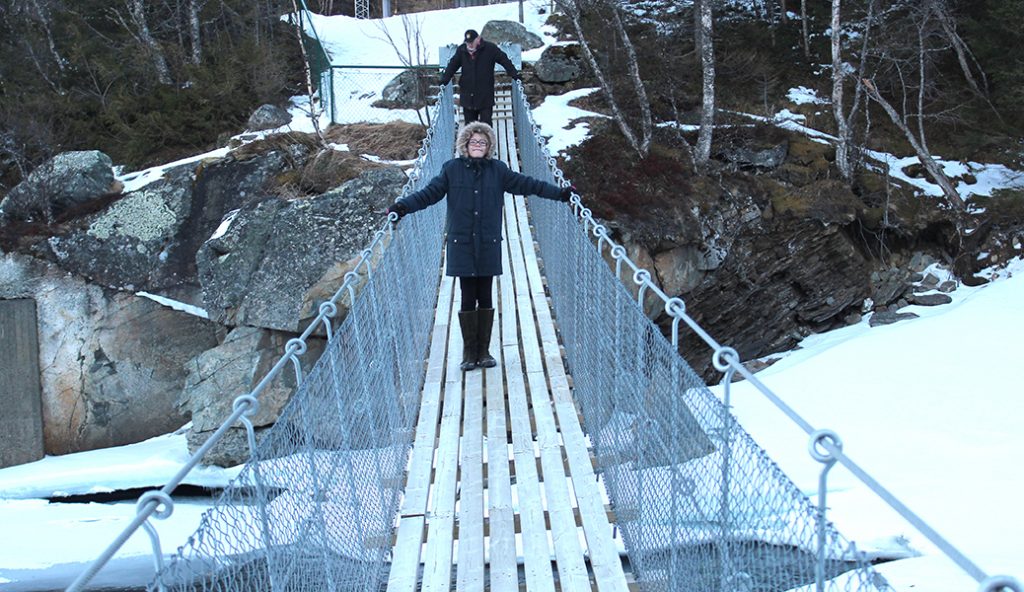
<point>194,8</point>
<point>138,12</point>
<point>838,74</point>
<point>314,113</point>
<point>707,59</point>
<point>926,159</point>
<point>646,125</point>
<point>804,28</point>
<point>46,24</point>
<point>640,146</point>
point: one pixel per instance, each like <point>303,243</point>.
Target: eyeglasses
<point>479,143</point>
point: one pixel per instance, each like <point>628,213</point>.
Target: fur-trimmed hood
<point>476,127</point>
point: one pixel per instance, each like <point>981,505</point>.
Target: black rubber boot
<point>469,325</point>
<point>483,338</point>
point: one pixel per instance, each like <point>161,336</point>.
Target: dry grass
<point>390,141</point>
<point>280,142</point>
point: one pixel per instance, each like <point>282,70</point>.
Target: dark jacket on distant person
<point>476,85</point>
<point>476,190</point>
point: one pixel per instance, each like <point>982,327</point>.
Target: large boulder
<point>219,375</point>
<point>66,181</point>
<point>510,32</point>
<point>559,63</point>
<point>262,266</point>
<point>267,117</point>
<point>148,239</point>
<point>408,90</point>
<point>126,245</point>
<point>112,363</point>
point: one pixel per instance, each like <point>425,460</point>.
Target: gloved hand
<point>566,193</point>
<point>399,208</point>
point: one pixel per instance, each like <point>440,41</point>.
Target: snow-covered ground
<point>931,407</point>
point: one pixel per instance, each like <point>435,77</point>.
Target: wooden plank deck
<point>501,492</point>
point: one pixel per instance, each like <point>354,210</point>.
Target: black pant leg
<point>483,291</point>
<point>476,292</point>
<point>468,287</point>
<point>484,115</point>
<point>470,115</point>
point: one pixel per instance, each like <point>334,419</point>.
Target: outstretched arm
<point>453,66</point>
<point>429,195</point>
<point>520,184</point>
<point>506,63</point>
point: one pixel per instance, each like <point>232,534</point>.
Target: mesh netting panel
<point>700,506</point>
<point>314,507</point>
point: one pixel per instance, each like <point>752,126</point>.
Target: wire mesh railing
<point>379,94</point>
<point>313,507</point>
<point>701,506</point>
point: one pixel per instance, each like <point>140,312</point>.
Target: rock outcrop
<point>261,269</point>
<point>268,117</point>
<point>499,32</point>
<point>559,63</point>
<point>118,367</point>
<point>112,362</point>
<point>219,375</point>
<point>66,181</point>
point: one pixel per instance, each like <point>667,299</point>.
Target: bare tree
<point>921,149</point>
<point>838,74</point>
<point>641,143</point>
<point>940,9</point>
<point>194,8</point>
<point>845,121</point>
<point>707,60</point>
<point>411,52</point>
<point>45,20</point>
<point>314,112</point>
<point>804,27</point>
<point>137,25</point>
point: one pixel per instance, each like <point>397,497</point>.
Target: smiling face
<point>478,145</point>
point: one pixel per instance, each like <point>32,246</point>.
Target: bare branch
<point>923,155</point>
<point>571,8</point>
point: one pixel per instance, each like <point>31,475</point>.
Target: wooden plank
<point>604,556</point>
<point>512,157</point>
<point>504,573</point>
<point>527,329</point>
<point>470,572</point>
<point>437,559</point>
<point>406,552</point>
<point>536,549</point>
<point>572,568</point>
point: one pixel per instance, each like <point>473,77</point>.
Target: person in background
<point>476,58</point>
<point>475,185</point>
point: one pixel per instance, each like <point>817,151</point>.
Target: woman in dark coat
<point>475,185</point>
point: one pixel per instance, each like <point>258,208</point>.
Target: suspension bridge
<point>590,458</point>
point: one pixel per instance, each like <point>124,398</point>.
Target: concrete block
<point>21,409</point>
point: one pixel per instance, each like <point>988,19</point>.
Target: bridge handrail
<point>726,360</point>
<point>158,503</point>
